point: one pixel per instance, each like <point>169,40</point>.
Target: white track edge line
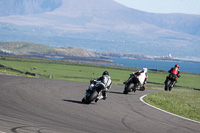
<point>141,99</point>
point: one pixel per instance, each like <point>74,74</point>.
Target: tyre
<point>129,88</point>
<point>142,88</point>
<point>91,97</point>
<point>167,85</point>
<point>83,100</point>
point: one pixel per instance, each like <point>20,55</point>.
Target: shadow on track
<point>114,92</point>
<point>73,101</point>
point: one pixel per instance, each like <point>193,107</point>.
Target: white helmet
<point>144,70</point>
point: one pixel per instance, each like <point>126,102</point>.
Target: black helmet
<point>105,73</point>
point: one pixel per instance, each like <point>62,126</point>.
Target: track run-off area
<point>32,105</point>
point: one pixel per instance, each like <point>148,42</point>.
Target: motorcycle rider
<point>142,76</point>
<point>106,80</point>
<point>175,72</point>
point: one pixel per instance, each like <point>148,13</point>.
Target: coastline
<point>158,65</point>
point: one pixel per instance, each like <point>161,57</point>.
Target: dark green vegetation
<point>183,100</point>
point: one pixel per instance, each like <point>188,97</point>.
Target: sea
<point>188,67</point>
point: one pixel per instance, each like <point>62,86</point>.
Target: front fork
<point>173,83</point>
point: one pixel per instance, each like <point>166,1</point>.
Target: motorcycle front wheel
<point>168,85</point>
<point>129,88</point>
<point>91,97</point>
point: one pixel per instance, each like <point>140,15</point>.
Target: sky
<point>164,6</point>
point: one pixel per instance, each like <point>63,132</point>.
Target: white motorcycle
<point>94,92</point>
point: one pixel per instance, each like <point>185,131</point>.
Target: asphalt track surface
<point>30,105</point>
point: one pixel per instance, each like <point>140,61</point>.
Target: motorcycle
<point>94,92</point>
<point>170,82</point>
<point>132,84</point>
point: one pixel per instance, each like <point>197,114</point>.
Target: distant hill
<point>24,48</point>
<point>24,7</point>
<point>39,50</point>
<point>100,25</point>
<point>32,49</point>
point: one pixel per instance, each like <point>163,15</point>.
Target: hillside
<point>26,49</point>
<point>32,49</point>
<point>24,7</point>
<point>100,25</point>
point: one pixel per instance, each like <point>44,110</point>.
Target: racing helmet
<point>144,70</point>
<point>105,73</point>
<point>177,65</point>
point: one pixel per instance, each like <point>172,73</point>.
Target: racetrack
<point>31,105</point>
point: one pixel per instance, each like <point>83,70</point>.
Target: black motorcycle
<point>170,82</point>
<point>132,84</point>
<point>93,92</point>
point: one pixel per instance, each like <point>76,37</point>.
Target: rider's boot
<point>143,87</point>
<point>98,98</point>
<point>104,95</point>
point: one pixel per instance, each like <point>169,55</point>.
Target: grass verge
<point>184,102</point>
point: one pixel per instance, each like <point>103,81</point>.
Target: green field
<point>183,100</point>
